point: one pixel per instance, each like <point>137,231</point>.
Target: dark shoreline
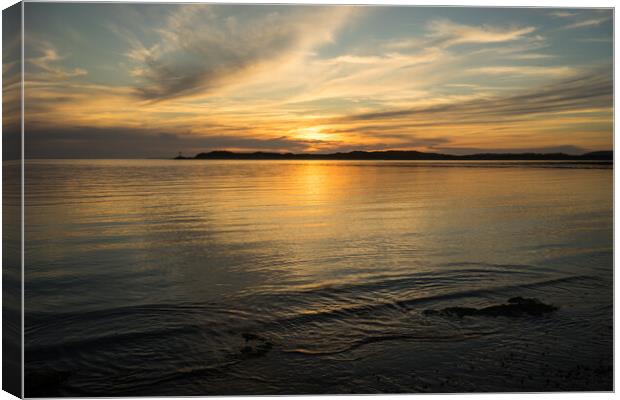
<point>605,157</point>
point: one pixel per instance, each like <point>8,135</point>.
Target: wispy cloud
<point>526,70</point>
<point>200,50</point>
<point>587,91</point>
<point>563,14</point>
<point>531,56</point>
<point>444,33</point>
<point>567,149</point>
<point>447,33</point>
<point>47,64</point>
<point>595,40</point>
<point>586,23</point>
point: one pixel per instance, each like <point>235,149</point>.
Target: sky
<point>151,80</point>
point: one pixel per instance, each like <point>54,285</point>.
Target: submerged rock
<point>255,345</point>
<point>516,306</point>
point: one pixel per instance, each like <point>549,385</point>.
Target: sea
<point>235,277</point>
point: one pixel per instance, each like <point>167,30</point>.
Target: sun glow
<point>314,133</point>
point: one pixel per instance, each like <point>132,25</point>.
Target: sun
<point>312,133</point>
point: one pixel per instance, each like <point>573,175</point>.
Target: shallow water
<point>142,276</point>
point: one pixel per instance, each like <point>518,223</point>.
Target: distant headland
<point>601,156</point>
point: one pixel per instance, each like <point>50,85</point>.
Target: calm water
<point>142,276</point>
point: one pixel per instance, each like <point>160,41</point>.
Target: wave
<point>115,326</point>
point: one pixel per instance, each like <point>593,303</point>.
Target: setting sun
<point>313,133</point>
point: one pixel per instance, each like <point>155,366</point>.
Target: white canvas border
<point>474,3</point>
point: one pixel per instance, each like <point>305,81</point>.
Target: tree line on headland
<point>398,155</point>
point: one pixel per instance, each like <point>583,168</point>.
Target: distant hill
<point>399,155</point>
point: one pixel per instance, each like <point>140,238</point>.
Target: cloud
<point>568,149</point>
<point>201,48</point>
<point>596,40</point>
<point>584,23</point>
<point>531,56</point>
<point>446,33</point>
<point>463,85</point>
<point>547,71</point>
<point>402,142</point>
<point>587,91</point>
<point>587,23</point>
<point>123,142</point>
<point>47,64</point>
<point>562,14</point>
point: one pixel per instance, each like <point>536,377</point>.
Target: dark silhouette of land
<point>600,156</point>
